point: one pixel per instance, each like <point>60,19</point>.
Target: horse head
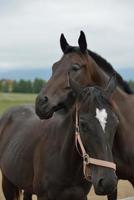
<point>57,94</point>
<point>97,127</point>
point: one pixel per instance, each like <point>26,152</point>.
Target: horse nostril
<point>100,182</point>
<point>45,99</point>
<point>101,186</point>
<point>107,185</point>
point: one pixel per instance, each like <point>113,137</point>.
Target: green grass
<point>8,100</point>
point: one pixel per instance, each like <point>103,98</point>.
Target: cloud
<point>30,30</point>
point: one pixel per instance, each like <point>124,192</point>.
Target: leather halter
<point>87,160</point>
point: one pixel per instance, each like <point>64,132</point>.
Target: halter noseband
<point>87,160</point>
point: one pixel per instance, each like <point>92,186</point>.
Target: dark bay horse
<point>89,69</point>
<point>41,157</point>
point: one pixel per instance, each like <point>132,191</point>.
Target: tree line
<point>131,83</point>
<point>22,86</point>
<point>29,86</point>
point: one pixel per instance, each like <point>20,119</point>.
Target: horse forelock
<point>95,96</point>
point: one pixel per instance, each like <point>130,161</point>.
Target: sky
<point>30,30</point>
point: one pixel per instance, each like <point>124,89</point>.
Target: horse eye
<point>75,67</point>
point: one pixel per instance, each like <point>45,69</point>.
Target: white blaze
<point>101,115</point>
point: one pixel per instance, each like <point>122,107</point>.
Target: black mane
<point>105,66</point>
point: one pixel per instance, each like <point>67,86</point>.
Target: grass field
<point>8,100</point>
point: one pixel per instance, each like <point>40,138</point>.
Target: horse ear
<point>82,42</point>
<point>77,89</point>
<point>63,43</point>
<point>111,86</point>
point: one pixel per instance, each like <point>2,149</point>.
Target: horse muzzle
<point>46,106</point>
<point>44,109</point>
<point>106,184</point>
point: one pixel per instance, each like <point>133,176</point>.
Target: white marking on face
<point>101,115</point>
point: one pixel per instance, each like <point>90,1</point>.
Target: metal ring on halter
<point>86,159</point>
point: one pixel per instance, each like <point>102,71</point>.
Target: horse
<point>40,156</point>
<point>88,69</point>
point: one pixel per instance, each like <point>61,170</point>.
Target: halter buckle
<point>86,159</point>
<point>76,129</point>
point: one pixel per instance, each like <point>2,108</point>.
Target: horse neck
<point>122,104</point>
<point>96,74</point>
<point>119,97</point>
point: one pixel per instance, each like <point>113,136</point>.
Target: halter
<point>87,160</point>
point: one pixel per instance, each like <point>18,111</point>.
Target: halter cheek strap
<point>87,160</point>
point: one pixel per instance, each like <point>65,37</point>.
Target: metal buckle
<point>86,159</point>
<point>76,129</point>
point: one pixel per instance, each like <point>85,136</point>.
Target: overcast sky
<point>30,30</point>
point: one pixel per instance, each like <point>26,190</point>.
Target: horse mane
<point>108,68</point>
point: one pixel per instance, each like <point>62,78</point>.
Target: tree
<point>22,86</point>
<point>37,85</point>
<point>131,83</point>
<point>28,87</point>
<point>5,87</point>
<point>0,86</point>
<point>15,87</point>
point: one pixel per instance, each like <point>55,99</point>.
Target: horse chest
<point>74,192</point>
<point>64,192</point>
<point>59,181</point>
